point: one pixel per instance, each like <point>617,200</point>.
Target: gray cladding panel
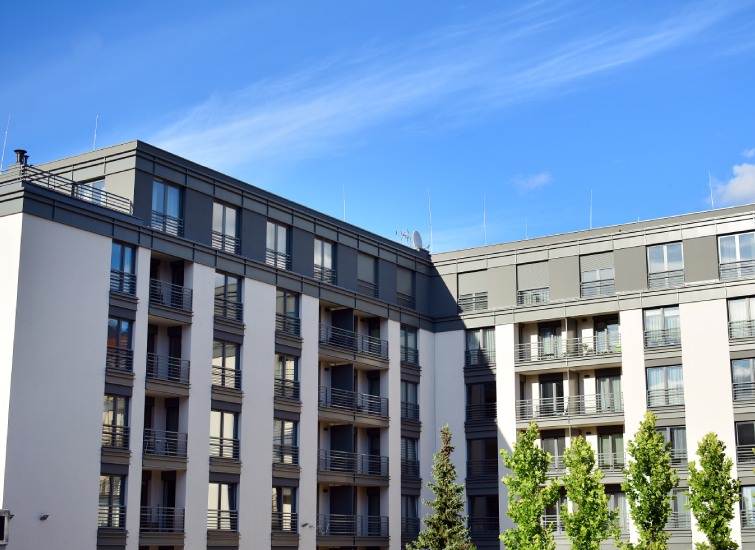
<point>422,291</point>
<point>302,252</point>
<point>386,280</point>
<point>631,269</point>
<point>253,231</point>
<point>404,281</point>
<point>502,286</point>
<point>564,277</point>
<point>473,281</point>
<point>592,262</point>
<point>198,217</point>
<point>346,260</point>
<point>143,197</point>
<point>700,259</point>
<point>366,268</point>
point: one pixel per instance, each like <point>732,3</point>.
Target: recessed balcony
<point>348,340</point>
<point>111,516</point>
<point>351,463</point>
<point>548,408</point>
<point>409,355</point>
<point>483,525</point>
<point>285,455</point>
<point>409,468</point>
<point>409,411</point>
<point>119,359</point>
<point>224,447</point>
<point>223,520</point>
<point>165,443</point>
<point>226,377</point>
<point>167,369</point>
<point>284,522</point>
<point>482,469</point>
<point>560,349</point>
<point>167,295</point>
<point>736,270</point>
<point>116,437</point>
<point>161,520</point>
<point>229,310</point>
<point>353,402</point>
<point>285,388</point>
<point>337,525</point>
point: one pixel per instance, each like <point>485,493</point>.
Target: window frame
<point>670,396</point>
<point>162,220</point>
<point>222,238</point>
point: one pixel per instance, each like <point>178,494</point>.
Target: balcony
<point>164,443</point>
<point>285,324</point>
<point>554,522</point>
<point>741,329</point>
<point>745,454</point>
<point>354,402</point>
<point>556,466</point>
<point>479,357</point>
<point>285,454</point>
<point>122,282</point>
<point>325,274</point>
<point>409,411</point>
<point>366,288</point>
<point>571,406</point>
<point>167,224</point>
<point>736,270</point>
<point>482,412</point>
<point>743,391</point>
<point>409,468</point>
<point>119,359</point>
<point>533,297</point>
<point>666,279</point>
<point>597,288</point>
<point>167,369</point>
<point>230,310</point>
<point>225,377</point>
<point>284,522</point>
<point>477,301</point>
<point>226,243</point>
<point>351,463</point>
<point>171,296</point>
<point>280,260</point>
<point>568,348</point>
<point>663,337</point>
<point>667,397</point>
<point>161,520</point>
<point>224,447</point>
<point>612,463</point>
<point>287,389</point>
<point>409,355</point>
<point>483,525</point>
<point>111,516</point>
<point>482,469</point>
<point>337,525</point>
<point>117,437</point>
<point>679,521</point>
<point>351,341</point>
<point>223,520</point>
<point>406,300</point>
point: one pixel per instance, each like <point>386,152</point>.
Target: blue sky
<point>518,110</point>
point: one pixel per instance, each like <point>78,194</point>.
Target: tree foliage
<point>713,494</point>
<point>530,492</point>
<point>650,478</point>
<point>446,526</point>
<point>590,521</point>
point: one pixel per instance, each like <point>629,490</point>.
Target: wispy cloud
<point>740,188</point>
<point>525,184</point>
<point>749,153</point>
<point>455,71</point>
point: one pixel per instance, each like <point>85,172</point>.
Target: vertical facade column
<point>392,508</point>
<point>506,390</point>
<point>427,414</point>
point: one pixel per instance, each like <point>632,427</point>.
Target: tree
<point>530,492</point>
<point>445,526</point>
<point>650,479</point>
<point>713,494</point>
<point>591,521</point>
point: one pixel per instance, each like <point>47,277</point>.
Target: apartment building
<point>188,361</point>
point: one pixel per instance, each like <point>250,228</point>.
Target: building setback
<point>187,361</point>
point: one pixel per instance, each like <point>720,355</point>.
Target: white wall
<point>506,395</point>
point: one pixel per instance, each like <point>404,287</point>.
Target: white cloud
<point>740,189</point>
<point>526,184</point>
<point>749,153</point>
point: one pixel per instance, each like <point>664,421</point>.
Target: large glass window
<point>481,401</point>
<point>285,441</point>
<point>225,228</point>
<point>745,442</point>
<point>122,264</point>
<point>676,436</point>
<point>409,457</point>
<point>748,506</point>
<point>115,421</point>
<point>609,398</point>
<point>409,351</point>
<point>665,386</point>
<point>277,254</point>
<point>480,343</point>
<point>662,327</point>
<point>325,262</point>
<point>226,367</point>
<point>119,340</point>
<point>222,512</point>
<point>665,265</point>
<point>112,513</point>
<point>286,376</point>
<point>287,312</point>
<point>409,400</point>
<point>284,509</point>
<point>167,208</point>
<point>611,451</point>
<point>228,297</point>
<point>742,317</point>
<point>735,255</point>
<point>224,441</point>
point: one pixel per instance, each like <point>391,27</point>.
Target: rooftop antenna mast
<point>484,219</point>
<point>96,122</point>
<point>430,210</point>
<point>5,142</point>
<point>710,186</point>
<point>590,208</point>
<point>344,202</point>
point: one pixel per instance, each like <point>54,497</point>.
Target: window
<point>743,378</point>
<point>287,312</point>
<point>736,255</point>
<point>325,270</point>
<point>533,283</point>
<point>112,513</point>
<point>409,400</point>
<point>284,509</point>
<point>91,191</point>
<point>676,436</point>
<point>680,517</point>
<point>482,457</point>
<point>481,401</point>
<point>483,514</point>
<point>617,502</point>
<point>741,317</point>
<point>665,386</point>
<point>409,517</point>
<point>747,503</point>
<point>222,513</point>
<point>405,289</point>
<point>480,347</point>
<point>167,208</point>
<point>225,228</point>
<point>555,446</point>
<point>277,246</point>
<point>226,367</point>
<point>285,441</point>
<point>122,278</point>
<point>120,356</point>
<point>286,377</point>
<point>228,297</point>
<point>409,351</point>
<point>552,401</point>
<point>611,451</point>
<point>597,277</point>
<point>409,457</point>
<point>609,397</point>
<point>665,265</point>
<point>662,327</point>
<point>224,441</point>
<point>115,431</point>
<point>367,275</point>
<point>745,442</point>
<point>607,337</point>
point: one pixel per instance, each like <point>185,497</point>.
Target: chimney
<point>21,156</point>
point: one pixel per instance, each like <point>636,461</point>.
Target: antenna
<point>590,208</point>
<point>484,220</point>
<point>344,202</point>
<point>526,233</point>
<point>96,122</point>
<point>710,186</point>
<point>5,141</point>
<point>430,210</point>
<point>417,240</point>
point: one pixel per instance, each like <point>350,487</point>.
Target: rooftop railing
<point>287,324</point>
<point>329,525</point>
<point>166,294</point>
<point>533,296</point>
<point>571,348</point>
<point>351,401</point>
<point>574,405</point>
<point>351,463</point>
<point>224,447</point>
<point>665,279</point>
<point>223,520</point>
<point>353,341</point>
<point>123,282</point>
<point>164,443</point>
<point>167,368</point>
<point>161,520</point>
<point>280,260</point>
<point>226,243</point>
<point>166,223</point>
<point>736,270</point>
<point>325,274</point>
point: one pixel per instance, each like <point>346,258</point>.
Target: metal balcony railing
<point>533,296</point>
<point>336,525</point>
<point>232,310</point>
<point>666,279</point>
<point>353,341</point>
<point>741,329</point>
<point>226,243</point>
<point>477,301</point>
<point>663,337</point>
<point>484,411</point>
<point>743,391</point>
<point>164,443</point>
<point>111,516</point>
<point>351,463</point>
<point>281,260</point>
<point>169,295</point>
<point>554,522</point>
<point>287,324</point>
<point>679,521</point>
<point>665,397</point>
<point>574,405</point>
<point>409,527</point>
<point>367,288</point>
<point>597,288</point>
<point>482,468</point>
<point>612,463</point>
<point>167,224</point>
<point>325,274</point>
<point>745,454</point>
<point>363,403</point>
<point>556,466</point>
<point>122,282</point>
<point>119,359</point>
<point>409,468</point>
<point>161,520</point>
<point>406,300</point>
<point>409,410</point>
<point>285,454</point>
<point>678,459</point>
<point>481,525</point>
<point>571,348</point>
<point>736,270</point>
<point>225,377</point>
<point>410,355</point>
<point>287,389</point>
<point>115,436</point>
<point>223,520</point>
<point>167,368</point>
<point>748,518</point>
<point>479,357</point>
<point>284,522</point>
<point>224,447</point>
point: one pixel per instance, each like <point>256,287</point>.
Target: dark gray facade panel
<point>220,405</point>
<point>83,221</point>
<point>348,240</point>
<point>302,252</point>
<point>700,259</point>
<point>253,235</point>
<point>169,174</point>
<point>305,224</point>
<point>442,299</point>
<point>368,248</point>
<point>421,291</point>
<point>346,261</point>
<point>502,286</point>
<point>198,217</point>
<point>143,196</point>
<point>326,233</point>
<point>386,280</point>
<point>564,277</point>
<point>229,265</point>
<point>631,269</point>
<point>125,234</point>
<point>287,282</point>
<point>276,214</point>
<point>200,184</point>
<point>224,195</point>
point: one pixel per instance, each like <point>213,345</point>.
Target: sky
<point>470,122</point>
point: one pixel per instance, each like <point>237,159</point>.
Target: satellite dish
<point>417,240</point>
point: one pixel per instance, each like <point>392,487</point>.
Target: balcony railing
<point>477,301</point>
<point>224,447</point>
<point>287,389</point>
<point>736,270</point>
<point>284,522</point>
<point>744,391</point>
<point>169,295</point>
<point>666,279</point>
<point>225,377</point>
<point>325,274</point>
<point>409,528</point>
<point>533,296</point>
<point>748,518</point>
<point>482,468</point>
<point>226,243</point>
<point>167,224</point>
<point>367,288</point>
<point>554,522</point>
<point>406,300</point>
<point>122,282</point>
<point>745,454</point>
<point>164,443</point>
<point>353,341</point>
<point>223,520</point>
<point>611,462</point>
<point>741,329</point>
<point>115,436</point>
<point>281,260</point>
<point>485,411</point>
<point>111,516</point>
<point>119,359</point>
<point>351,463</point>
<point>679,521</point>
<point>351,401</point>
<point>410,355</point>
<point>337,525</point>
<point>285,454</point>
<point>480,525</point>
<point>161,520</point>
<point>679,459</point>
<point>167,368</point>
<point>667,397</point>
<point>409,468</point>
<point>556,466</point>
<point>572,348</point>
<point>409,410</point>
<point>479,357</point>
<point>232,310</point>
<point>575,405</point>
<point>597,288</point>
<point>287,325</point>
<point>663,337</point>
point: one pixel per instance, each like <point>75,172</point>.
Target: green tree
<point>445,526</point>
<point>591,521</point>
<point>713,494</point>
<point>530,492</point>
<point>650,478</point>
